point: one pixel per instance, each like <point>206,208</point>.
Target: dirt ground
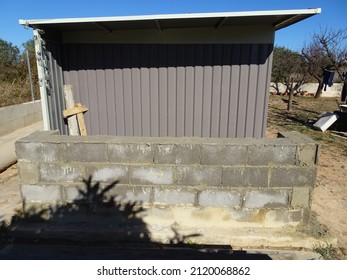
<point>329,203</point>
<point>10,198</point>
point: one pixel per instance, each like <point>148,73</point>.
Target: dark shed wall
<point>208,90</point>
<point>55,91</point>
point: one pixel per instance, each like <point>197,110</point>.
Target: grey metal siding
<point>55,90</point>
<point>205,90</point>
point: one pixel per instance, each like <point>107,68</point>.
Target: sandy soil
<point>10,199</point>
<point>329,201</point>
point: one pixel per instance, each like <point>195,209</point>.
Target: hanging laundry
<point>328,77</point>
<point>344,90</point>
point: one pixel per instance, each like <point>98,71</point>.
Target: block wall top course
<point>296,137</point>
<point>52,136</point>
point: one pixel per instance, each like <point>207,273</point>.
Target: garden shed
<point>204,75</point>
<point>167,78</point>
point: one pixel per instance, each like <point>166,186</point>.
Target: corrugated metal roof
<point>277,18</point>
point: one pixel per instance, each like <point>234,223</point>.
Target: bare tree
<point>288,70</point>
<point>326,51</point>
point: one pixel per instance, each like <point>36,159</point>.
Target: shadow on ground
<point>98,225</point>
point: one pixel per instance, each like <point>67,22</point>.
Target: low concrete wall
<point>18,116</point>
<point>182,181</point>
<point>311,88</point>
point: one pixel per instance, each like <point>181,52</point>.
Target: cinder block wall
<point>186,181</point>
<point>18,116</point>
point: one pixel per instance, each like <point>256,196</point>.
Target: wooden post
<point>70,103</point>
<point>80,119</point>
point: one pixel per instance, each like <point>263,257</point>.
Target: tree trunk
<point>276,87</point>
<point>319,89</point>
<point>290,99</point>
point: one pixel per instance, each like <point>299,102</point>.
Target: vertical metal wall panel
<point>198,89</point>
<point>110,90</point>
<point>172,90</point>
<point>101,85</point>
<point>225,95</point>
<point>216,90</point>
<point>252,92</point>
<point>189,90</point>
<point>181,89</point>
<point>205,90</point>
<point>243,92</point>
<point>163,87</point>
<point>55,92</point>
<point>234,90</point>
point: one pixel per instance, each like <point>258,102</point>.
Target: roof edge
<point>33,22</point>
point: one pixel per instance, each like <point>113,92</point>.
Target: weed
<point>327,251</point>
<point>318,137</point>
<point>192,243</point>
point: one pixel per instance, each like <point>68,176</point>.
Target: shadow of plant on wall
<point>98,224</point>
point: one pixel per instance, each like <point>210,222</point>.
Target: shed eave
<point>278,18</point>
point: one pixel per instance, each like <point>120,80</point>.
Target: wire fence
<point>16,92</point>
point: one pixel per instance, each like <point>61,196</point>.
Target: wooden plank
<point>74,111</point>
<point>70,103</point>
<point>82,124</point>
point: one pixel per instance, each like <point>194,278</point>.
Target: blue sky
<point>334,13</point>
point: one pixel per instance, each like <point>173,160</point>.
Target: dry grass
<point>306,111</point>
<point>16,93</point>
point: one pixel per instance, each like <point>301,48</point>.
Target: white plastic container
<point>325,121</point>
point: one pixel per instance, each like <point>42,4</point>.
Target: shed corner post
<point>42,78</point>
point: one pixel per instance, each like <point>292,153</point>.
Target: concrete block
<point>300,197</point>
<point>245,176</point>
<point>120,193</point>
<point>199,175</point>
<point>292,177</point>
<point>174,195</point>
<point>282,217</point>
<point>177,154</point>
<point>28,172</point>
<point>271,154</point>
<point>41,193</point>
<point>131,194</point>
<point>148,175</point>
<point>85,152</point>
<point>246,215</point>
<point>38,152</point>
<point>223,154</point>
<point>130,153</point>
<point>73,193</point>
<point>296,137</point>
<point>307,155</point>
<point>60,172</point>
<point>108,173</point>
<point>266,199</point>
<point>219,198</point>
